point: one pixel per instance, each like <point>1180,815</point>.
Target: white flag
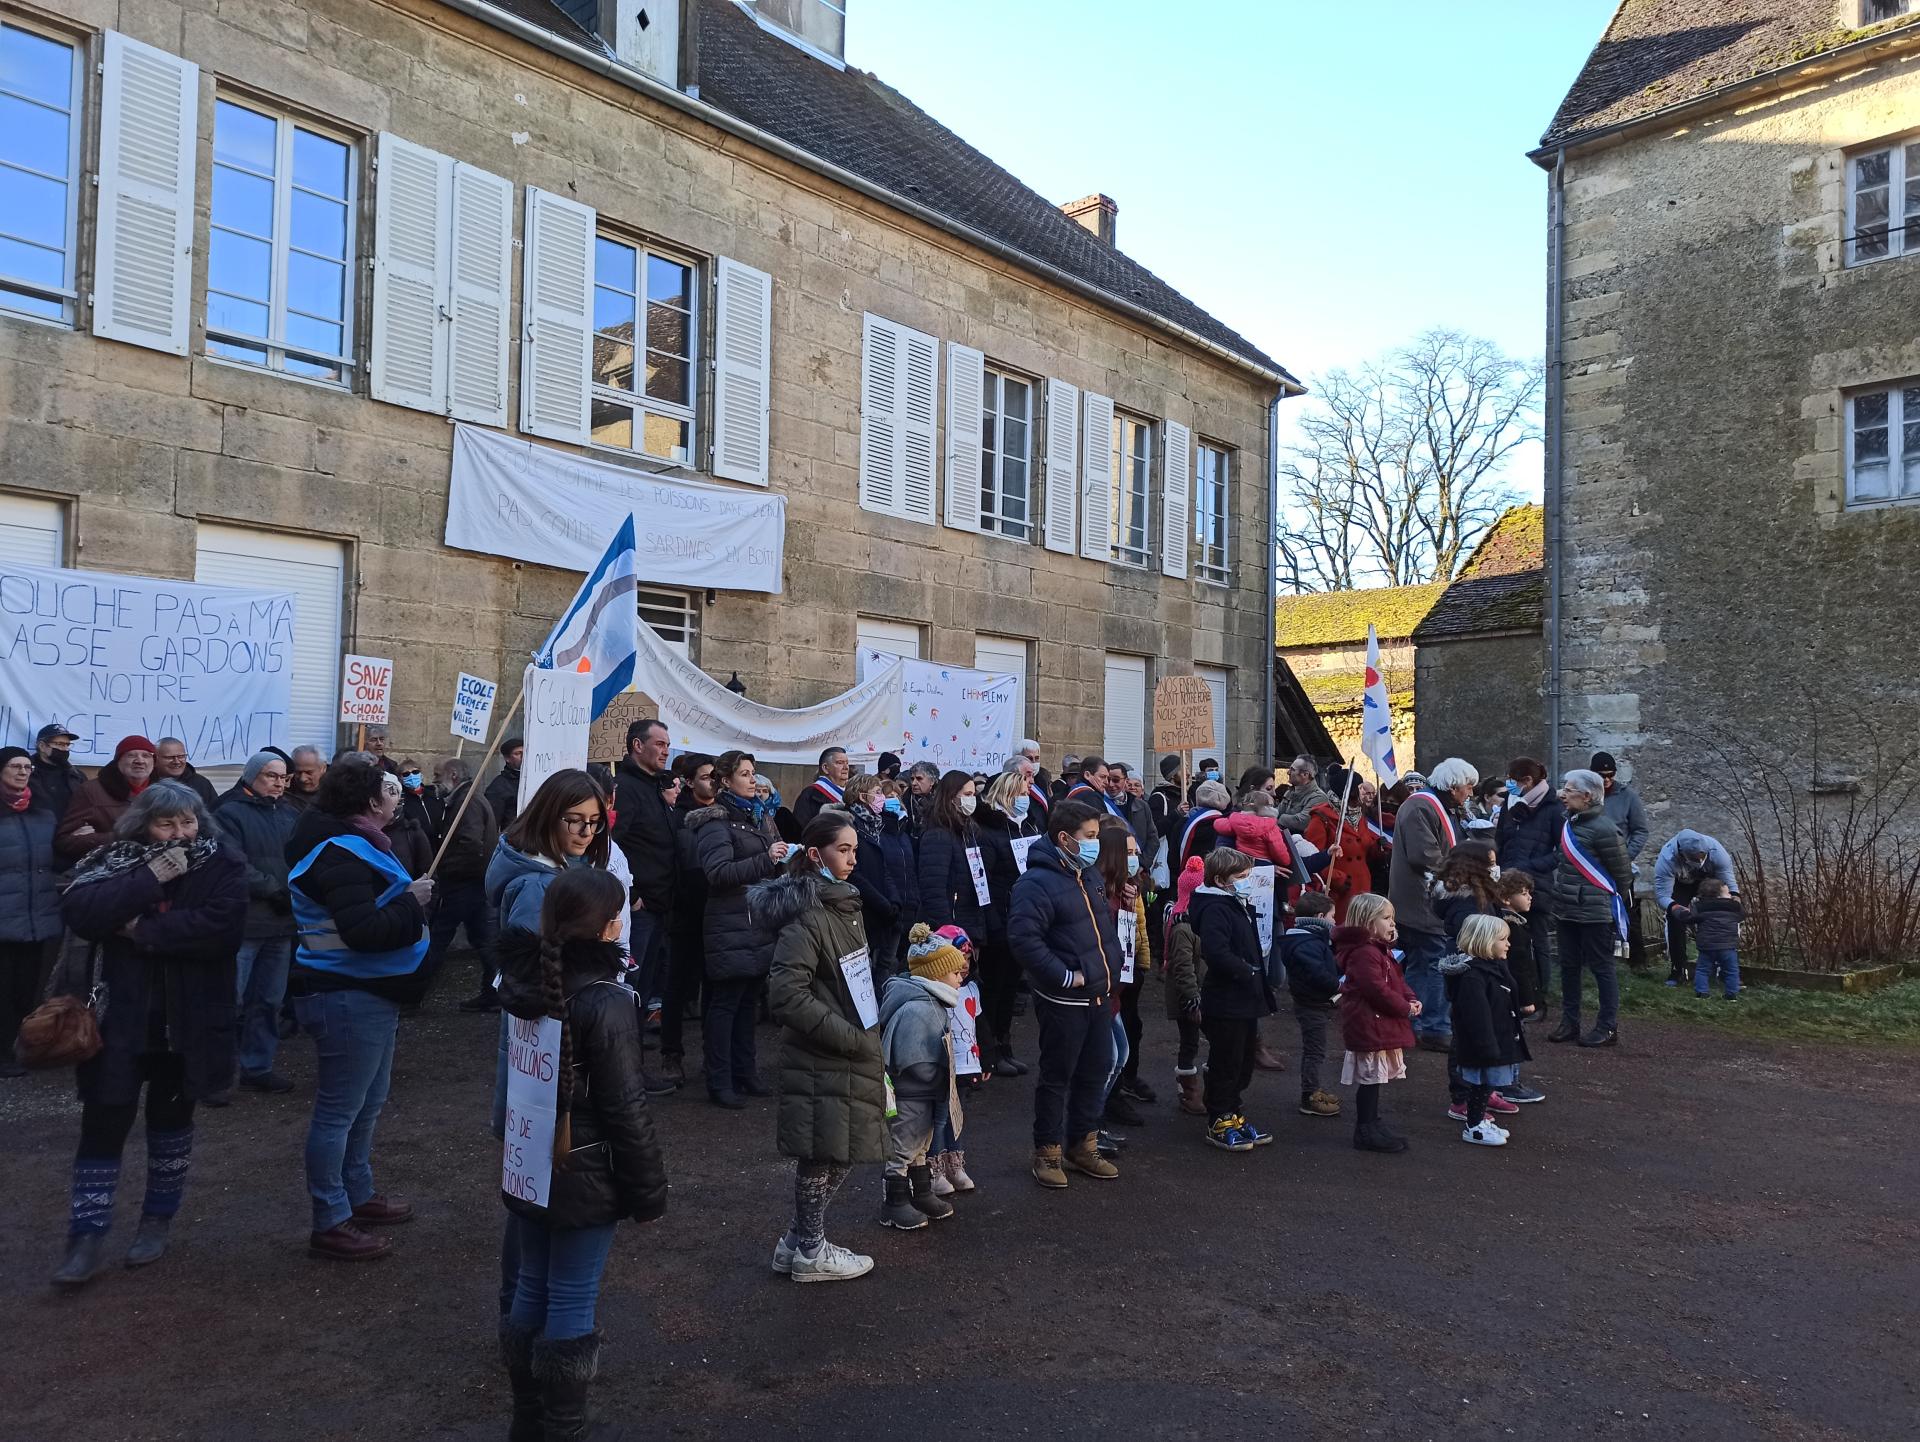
<point>1376,717</point>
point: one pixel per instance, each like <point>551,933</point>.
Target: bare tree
<point>1401,464</point>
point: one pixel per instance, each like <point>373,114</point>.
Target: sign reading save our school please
<point>366,690</point>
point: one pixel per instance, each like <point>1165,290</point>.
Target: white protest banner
<point>559,719</point>
<point>473,706</point>
<point>109,656</point>
<point>1021,846</point>
<point>513,498</point>
<point>965,1025</point>
<point>959,719</point>
<point>366,690</point>
<point>1263,901</point>
<point>533,1086</point>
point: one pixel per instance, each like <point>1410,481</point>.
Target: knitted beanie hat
<point>931,955</point>
<point>1192,877</point>
<point>132,743</point>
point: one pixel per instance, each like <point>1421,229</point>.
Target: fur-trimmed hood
<point>778,903</point>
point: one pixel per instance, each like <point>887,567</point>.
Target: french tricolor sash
<point>1199,818</point>
<point>1039,798</point>
<point>827,789</point>
<point>1446,821</point>
<point>1105,800</point>
<point>1594,875</point>
<point>1374,827</point>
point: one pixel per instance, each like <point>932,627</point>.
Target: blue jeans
<point>260,985</point>
<point>353,1034</point>
<point>1423,951</point>
<point>559,1283</point>
<point>1728,963</point>
<point>1121,1051</point>
<point>647,941</point>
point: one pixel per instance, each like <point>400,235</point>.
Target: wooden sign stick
<point>474,785</point>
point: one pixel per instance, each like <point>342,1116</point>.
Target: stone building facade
<point>1734,340</point>
<point>231,435</point>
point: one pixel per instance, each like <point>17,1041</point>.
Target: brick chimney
<point>1096,212</point>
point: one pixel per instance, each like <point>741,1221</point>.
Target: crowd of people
<point>894,925</point>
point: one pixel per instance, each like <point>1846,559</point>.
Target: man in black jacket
<point>55,777</point>
<point>644,829</point>
<point>170,764</point>
<point>826,789</point>
<point>503,792</point>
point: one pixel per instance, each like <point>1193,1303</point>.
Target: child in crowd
<point>1715,916</point>
<point>1377,1008</point>
<point>949,1163</point>
<point>916,1039</point>
<point>1515,889</point>
<point>1186,969</point>
<point>1487,1037</point>
<point>1234,995</point>
<point>1306,950</point>
<point>1465,889</point>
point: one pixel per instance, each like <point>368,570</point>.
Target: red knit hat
<point>1192,876</point>
<point>132,743</point>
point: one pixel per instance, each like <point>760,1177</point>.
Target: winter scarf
<point>759,810</point>
<point>117,858</point>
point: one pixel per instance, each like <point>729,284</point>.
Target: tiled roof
<point>1336,618</point>
<point>853,120</point>
<point>1657,53</point>
<point>1475,605</point>
<point>1515,542</point>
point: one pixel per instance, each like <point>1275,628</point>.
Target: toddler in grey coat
<point>916,1041</point>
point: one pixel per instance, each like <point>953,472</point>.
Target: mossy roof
<point>1336,618</point>
<point>1515,542</point>
<point>1336,693</point>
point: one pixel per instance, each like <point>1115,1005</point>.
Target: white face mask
<point>967,803</point>
<point>1493,872</point>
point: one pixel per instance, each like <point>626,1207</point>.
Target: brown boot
<point>1085,1157</point>
<point>1190,1101</point>
<point>1046,1167</point>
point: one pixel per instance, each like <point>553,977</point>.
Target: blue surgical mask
<point>1210,774</point>
<point>1089,851</point>
<point>411,781</point>
<point>1513,787</point>
<point>893,807</point>
<point>1133,864</point>
<point>1021,806</point>
<point>828,874</point>
<point>1243,886</point>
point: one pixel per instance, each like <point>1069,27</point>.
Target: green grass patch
<point>1888,1017</point>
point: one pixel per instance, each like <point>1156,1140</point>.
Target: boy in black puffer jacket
<point>1233,997</point>
<point>1306,951</point>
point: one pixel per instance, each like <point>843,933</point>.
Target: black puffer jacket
<point>1575,899</point>
<point>734,852</point>
<point>947,896</point>
<point>997,832</point>
<point>350,891</point>
<point>1236,983</point>
<point>614,1169</point>
<point>1486,1012</point>
<point>645,830</point>
<point>1529,840</point>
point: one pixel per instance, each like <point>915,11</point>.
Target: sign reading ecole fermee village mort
<point>109,656</point>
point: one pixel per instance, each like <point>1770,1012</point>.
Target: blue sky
<point>1329,179</point>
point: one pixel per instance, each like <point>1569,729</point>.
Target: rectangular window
<point>39,164</point>
<point>1006,456</point>
<point>1883,446</point>
<point>1132,469</point>
<point>644,325</point>
<point>1212,479</point>
<point>1872,12</point>
<point>672,616</point>
<point>1883,203</point>
<point>280,245</point>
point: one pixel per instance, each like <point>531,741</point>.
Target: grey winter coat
<point>1576,900</point>
<point>913,1035</point>
<point>1297,809</point>
<point>734,852</point>
<point>260,829</point>
<point>832,1096</point>
<point>29,893</point>
<point>1629,818</point>
<point>1419,849</point>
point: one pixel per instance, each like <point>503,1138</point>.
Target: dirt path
<point>1695,1236</point>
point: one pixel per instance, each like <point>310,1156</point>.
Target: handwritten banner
<point>110,656</point>
<point>533,1101</point>
<point>957,718</point>
<point>534,503</point>
<point>559,720</point>
<point>1183,714</point>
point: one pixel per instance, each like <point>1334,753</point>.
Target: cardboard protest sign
<point>366,690</point>
<point>473,706</point>
<point>1183,714</point>
<point>533,1087</point>
<point>608,739</point>
<point>559,718</point>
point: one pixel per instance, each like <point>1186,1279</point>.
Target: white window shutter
<point>1063,464</point>
<point>919,403</point>
<point>742,371</point>
<point>556,344</point>
<point>480,294</point>
<point>880,362</point>
<point>1096,499</point>
<point>408,356</point>
<point>1175,510</point>
<point>966,382</point>
<point>143,255</point>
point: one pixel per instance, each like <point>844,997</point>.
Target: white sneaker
<point>783,1258</point>
<point>834,1264</point>
<point>1486,1134</point>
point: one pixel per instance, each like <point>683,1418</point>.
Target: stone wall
<point>145,446</point>
<point>1479,698</point>
<point>1716,594</point>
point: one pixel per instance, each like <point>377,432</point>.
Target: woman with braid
<point>606,1163</point>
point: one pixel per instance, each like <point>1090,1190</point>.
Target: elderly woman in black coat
<point>164,905</point>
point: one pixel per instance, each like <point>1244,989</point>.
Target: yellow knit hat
<point>932,956</point>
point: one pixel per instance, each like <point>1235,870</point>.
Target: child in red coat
<point>1376,1010</point>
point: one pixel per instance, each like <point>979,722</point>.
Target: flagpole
<point>474,786</point>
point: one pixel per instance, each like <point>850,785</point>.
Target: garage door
<point>1126,722</point>
<point>315,572</point>
<point>32,531</point>
<point>1005,657</point>
<point>896,638</point>
<point>1216,679</point>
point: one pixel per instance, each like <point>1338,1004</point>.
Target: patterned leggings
<point>814,1184</point>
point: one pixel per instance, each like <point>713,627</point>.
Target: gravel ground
<point>1696,1236</point>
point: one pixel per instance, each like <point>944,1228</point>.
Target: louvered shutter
<point>480,292</point>
<point>742,372</point>
<point>1175,510</point>
<point>1096,497</point>
<point>143,253</point>
<point>1063,464</point>
<point>408,358</point>
<point>879,425</point>
<point>966,382</point>
<point>556,344</point>
<point>919,398</point>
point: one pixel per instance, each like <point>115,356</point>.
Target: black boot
<point>898,1210</point>
<point>516,1351</point>
<point>1123,1112</point>
<point>566,1370</point>
<point>920,1181</point>
<point>82,1261</point>
<point>150,1241</point>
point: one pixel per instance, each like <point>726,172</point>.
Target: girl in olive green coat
<point>832,1113</point>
